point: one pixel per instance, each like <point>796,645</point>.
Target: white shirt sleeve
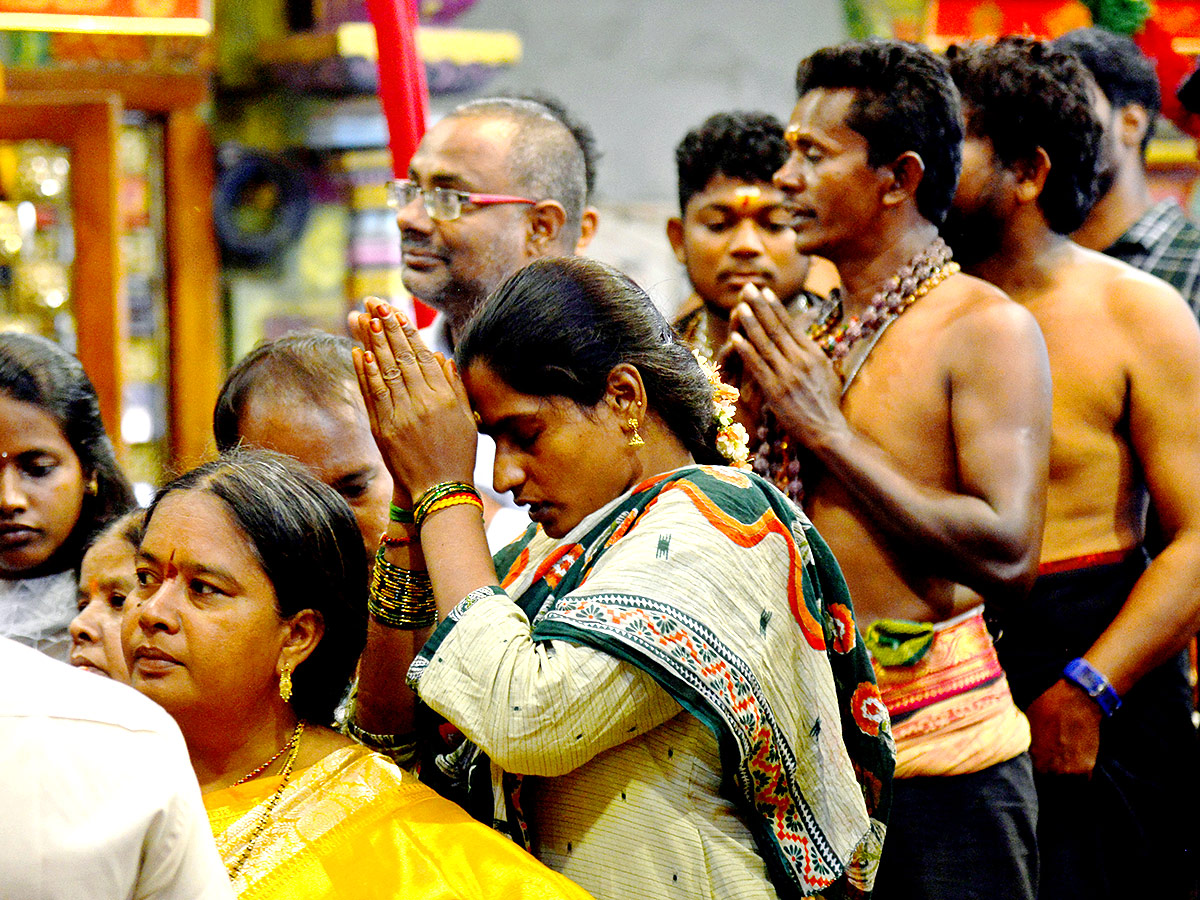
<point>97,794</point>
<point>180,861</point>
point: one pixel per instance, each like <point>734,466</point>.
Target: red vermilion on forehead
<point>749,198</point>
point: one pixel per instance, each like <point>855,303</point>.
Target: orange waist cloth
<point>952,711</point>
<point>1086,561</point>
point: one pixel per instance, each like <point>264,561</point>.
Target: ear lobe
<point>626,393</point>
<point>675,236</point>
<point>304,631</point>
<point>903,177</point>
<point>546,221</point>
<point>588,224</point>
<point>1030,175</point>
<point>1133,122</point>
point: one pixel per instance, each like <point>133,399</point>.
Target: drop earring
<point>285,683</point>
<point>635,439</point>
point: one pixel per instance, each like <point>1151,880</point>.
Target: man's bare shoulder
<point>1121,305</point>
<point>1122,289</point>
<point>978,312</point>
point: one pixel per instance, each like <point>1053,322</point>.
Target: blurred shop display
<point>37,242</point>
<point>104,135</point>
<point>298,86</point>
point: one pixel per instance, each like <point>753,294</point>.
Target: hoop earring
<point>635,439</point>
<point>285,683</point>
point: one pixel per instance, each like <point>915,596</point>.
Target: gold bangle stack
<point>400,598</point>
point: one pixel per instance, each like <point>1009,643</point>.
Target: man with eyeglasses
<point>494,185</point>
<point>498,182</point>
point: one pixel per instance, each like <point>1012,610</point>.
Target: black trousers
<point>962,837</point>
<point>1131,828</point>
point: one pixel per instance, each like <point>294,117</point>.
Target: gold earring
<point>635,439</point>
<point>285,683</point>
<point>93,486</point>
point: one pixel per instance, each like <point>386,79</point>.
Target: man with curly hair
<point>1094,652</point>
<point>1126,222</point>
<point>734,226</point>
<point>917,413</point>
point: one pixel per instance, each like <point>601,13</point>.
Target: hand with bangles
<point>416,403</point>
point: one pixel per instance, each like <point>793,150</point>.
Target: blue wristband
<point>1092,682</point>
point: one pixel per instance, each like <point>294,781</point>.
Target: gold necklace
<point>278,753</point>
<point>265,816</point>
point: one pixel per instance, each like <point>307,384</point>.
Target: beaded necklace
<point>293,747</point>
<point>837,335</point>
<point>925,271</point>
<point>278,753</point>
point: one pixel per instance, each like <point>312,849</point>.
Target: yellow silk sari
<point>353,825</point>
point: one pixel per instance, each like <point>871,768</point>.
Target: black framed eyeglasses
<point>443,204</point>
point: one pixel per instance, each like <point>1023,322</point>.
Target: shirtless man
<point>924,455</point>
<point>1100,629</point>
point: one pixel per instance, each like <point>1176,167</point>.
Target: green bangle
<point>400,514</point>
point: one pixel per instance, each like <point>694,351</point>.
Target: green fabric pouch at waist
<point>898,642</point>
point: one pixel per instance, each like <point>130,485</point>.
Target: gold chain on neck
<point>269,807</point>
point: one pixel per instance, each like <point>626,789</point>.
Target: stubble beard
<point>455,299</point>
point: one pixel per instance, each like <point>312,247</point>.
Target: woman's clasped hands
<point>416,402</point>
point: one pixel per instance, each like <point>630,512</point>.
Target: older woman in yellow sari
<point>246,625</point>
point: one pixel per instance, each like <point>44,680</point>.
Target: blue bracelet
<point>1092,682</point>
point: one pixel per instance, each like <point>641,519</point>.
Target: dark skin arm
<point>1162,613</point>
<point>986,532</point>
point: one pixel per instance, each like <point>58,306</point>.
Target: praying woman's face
<point>561,460</point>
<point>106,579</point>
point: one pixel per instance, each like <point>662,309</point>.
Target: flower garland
<point>732,439</point>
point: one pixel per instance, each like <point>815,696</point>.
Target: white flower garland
<point>732,439</point>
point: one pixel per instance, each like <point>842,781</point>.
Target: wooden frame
<point>194,312</point>
<point>87,124</point>
<point>193,288</point>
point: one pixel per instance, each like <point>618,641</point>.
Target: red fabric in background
<point>1172,67</point>
<point>402,89</point>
